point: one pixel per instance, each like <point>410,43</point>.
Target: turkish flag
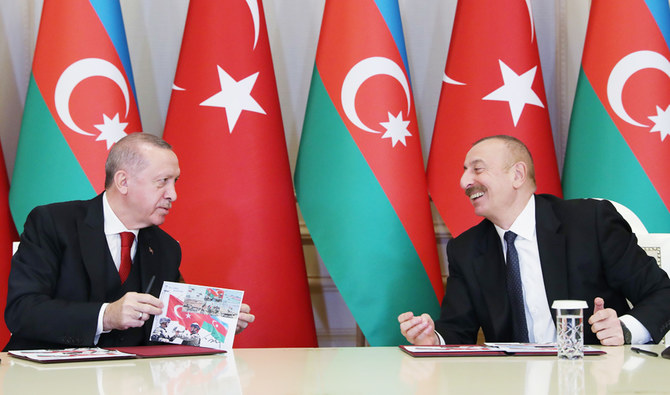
<point>236,215</point>
<point>8,235</point>
<point>492,85</point>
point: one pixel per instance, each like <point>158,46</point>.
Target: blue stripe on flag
<point>109,12</point>
<point>661,12</point>
<point>391,13</point>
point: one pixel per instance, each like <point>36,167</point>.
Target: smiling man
<point>82,268</point>
<point>530,250</point>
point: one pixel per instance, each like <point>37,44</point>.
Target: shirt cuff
<point>98,330</point>
<point>638,333</point>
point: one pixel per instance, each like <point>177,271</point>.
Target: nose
<point>466,180</point>
<point>171,192</point>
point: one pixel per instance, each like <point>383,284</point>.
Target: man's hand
<point>245,318</point>
<point>131,311</point>
<point>419,331</point>
<point>605,324</point>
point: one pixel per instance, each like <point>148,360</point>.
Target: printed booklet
<point>196,315</point>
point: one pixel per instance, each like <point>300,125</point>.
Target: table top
<point>365,370</point>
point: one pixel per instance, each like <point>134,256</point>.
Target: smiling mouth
<point>475,192</point>
<point>476,195</point>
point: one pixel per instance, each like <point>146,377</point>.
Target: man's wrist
<point>627,336</point>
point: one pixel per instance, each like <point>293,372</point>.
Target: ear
<point>520,170</point>
<point>121,181</point>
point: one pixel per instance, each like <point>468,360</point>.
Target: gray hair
<point>125,154</point>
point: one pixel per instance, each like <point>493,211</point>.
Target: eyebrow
<point>474,163</point>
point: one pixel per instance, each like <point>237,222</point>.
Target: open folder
<point>94,354</point>
<point>489,349</point>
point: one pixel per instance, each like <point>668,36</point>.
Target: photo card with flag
<point>197,315</point>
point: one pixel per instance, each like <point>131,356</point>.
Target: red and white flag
<point>7,236</point>
<point>236,215</point>
<point>492,85</point>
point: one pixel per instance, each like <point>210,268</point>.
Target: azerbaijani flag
<point>492,85</point>
<point>80,101</point>
<point>217,328</point>
<point>360,179</point>
<point>618,146</point>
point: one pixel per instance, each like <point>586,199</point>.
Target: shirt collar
<point>524,224</point>
<point>113,224</point>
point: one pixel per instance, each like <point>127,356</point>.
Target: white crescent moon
<point>624,69</point>
<point>76,73</point>
<point>358,74</point>
<point>450,80</point>
<point>532,24</point>
<point>253,7</point>
<point>176,313</point>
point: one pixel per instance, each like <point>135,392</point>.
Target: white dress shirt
<point>113,228</point>
<point>541,328</point>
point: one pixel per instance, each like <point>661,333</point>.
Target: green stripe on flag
<point>599,163</point>
<point>355,229</point>
<point>45,170</point>
<point>213,331</point>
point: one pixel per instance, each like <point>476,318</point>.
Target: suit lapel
<point>490,271</point>
<point>94,249</point>
<point>551,245</point>
<point>150,264</point>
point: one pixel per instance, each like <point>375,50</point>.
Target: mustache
<point>474,189</point>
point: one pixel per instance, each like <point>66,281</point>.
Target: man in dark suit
<point>565,249</point>
<point>69,285</point>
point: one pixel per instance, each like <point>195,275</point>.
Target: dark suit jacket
<point>586,250</point>
<point>55,290</point>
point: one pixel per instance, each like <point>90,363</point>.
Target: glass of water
<point>570,328</point>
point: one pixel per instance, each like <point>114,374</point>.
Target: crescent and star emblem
<point>396,127</point>
<point>235,95</point>
<point>622,71</point>
<point>111,130</point>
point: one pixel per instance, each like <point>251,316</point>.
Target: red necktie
<point>127,239</point>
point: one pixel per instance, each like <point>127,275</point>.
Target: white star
<point>396,129</point>
<point>661,122</point>
<point>235,97</point>
<point>111,130</point>
<point>517,90</point>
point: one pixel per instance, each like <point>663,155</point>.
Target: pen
<point>643,351</point>
<point>151,282</point>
